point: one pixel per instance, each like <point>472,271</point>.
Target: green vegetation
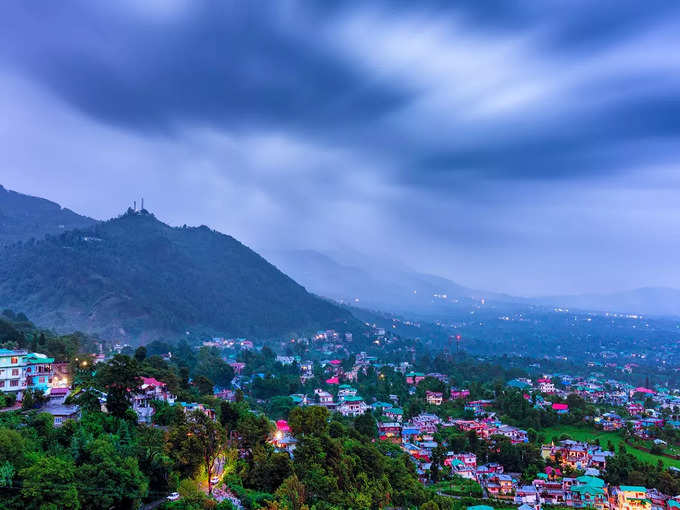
<point>586,433</point>
<point>141,278</point>
<point>23,217</point>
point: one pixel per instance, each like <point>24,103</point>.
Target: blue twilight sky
<point>528,147</point>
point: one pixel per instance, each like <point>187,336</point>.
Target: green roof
<point>480,507</point>
<point>591,480</point>
<point>632,488</point>
<point>589,489</point>
<point>356,398</point>
<point>395,410</point>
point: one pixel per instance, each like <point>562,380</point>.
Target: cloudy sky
<point>529,147</point>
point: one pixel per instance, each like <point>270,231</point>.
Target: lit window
<point>15,360</point>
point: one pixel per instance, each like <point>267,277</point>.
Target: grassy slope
<point>589,434</point>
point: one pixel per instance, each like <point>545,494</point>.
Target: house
<point>20,370</point>
<point>394,413</point>
<point>527,495</point>
<point>414,377</point>
<point>545,385</point>
<point>352,406</point>
<point>61,413</point>
<point>467,459</point>
<point>635,408</point>
<point>324,398</point>
<point>588,491</point>
<point>390,431</point>
<point>238,366</point>
<point>282,438</point>
<point>457,394</point>
<point>38,372</point>
<point>345,390</point>
<point>521,384</point>
<point>631,497</point>
<point>190,407</point>
<point>500,486</point>
<point>560,408</point>
<point>434,397</point>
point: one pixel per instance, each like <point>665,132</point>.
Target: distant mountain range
<point>136,277</point>
<point>24,217</point>
<point>384,286</point>
<point>381,285</point>
<point>645,301</point>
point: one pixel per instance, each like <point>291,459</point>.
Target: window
<point>15,371</point>
<point>14,382</point>
<point>15,360</point>
<point>42,379</point>
<point>2,384</point>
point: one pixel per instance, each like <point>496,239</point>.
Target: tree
<point>27,401</point>
<point>308,420</point>
<point>197,443</point>
<point>109,479</point>
<point>49,484</point>
<point>365,424</point>
<point>120,377</point>
<point>140,354</point>
<point>204,385</point>
<point>293,492</point>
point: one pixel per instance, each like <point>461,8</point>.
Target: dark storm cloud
<point>226,63</point>
<point>445,135</point>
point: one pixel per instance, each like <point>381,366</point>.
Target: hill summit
<point>136,277</point>
<point>24,217</point>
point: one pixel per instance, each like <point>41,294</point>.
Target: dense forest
<point>135,277</point>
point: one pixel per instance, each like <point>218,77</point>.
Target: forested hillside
<point>136,277</point>
<point>23,217</point>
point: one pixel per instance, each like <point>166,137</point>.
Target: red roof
<point>58,391</point>
<point>560,407</point>
<point>335,362</point>
<point>333,380</point>
<point>644,390</point>
<point>150,381</point>
<point>544,380</point>
<point>282,425</point>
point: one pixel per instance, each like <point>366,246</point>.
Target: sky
<point>525,147</point>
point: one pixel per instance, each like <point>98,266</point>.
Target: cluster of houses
<point>632,400</point>
<point>574,492</point>
<point>577,455</point>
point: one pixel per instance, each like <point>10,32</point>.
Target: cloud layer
<point>528,147</point>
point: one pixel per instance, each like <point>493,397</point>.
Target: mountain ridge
<point>23,217</point>
<point>136,277</point>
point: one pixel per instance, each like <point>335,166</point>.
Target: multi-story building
<point>38,372</point>
<point>632,497</point>
<point>21,370</point>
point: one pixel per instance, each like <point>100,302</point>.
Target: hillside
<point>135,277</point>
<point>24,217</point>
